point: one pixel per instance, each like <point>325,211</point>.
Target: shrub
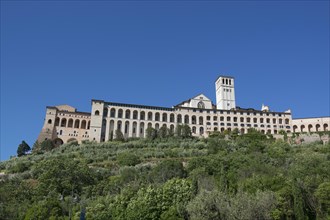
<point>128,159</point>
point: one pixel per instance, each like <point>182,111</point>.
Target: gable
<point>201,97</point>
<point>199,101</point>
<point>66,108</point>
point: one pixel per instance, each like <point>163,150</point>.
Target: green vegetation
<point>169,176</point>
<point>22,149</point>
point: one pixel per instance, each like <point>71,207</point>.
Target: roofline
<point>51,107</point>
<point>139,106</point>
<point>76,112</point>
<point>311,117</point>
<point>231,77</point>
<point>97,100</point>
<point>234,110</point>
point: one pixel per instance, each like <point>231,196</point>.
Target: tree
<point>151,133</point>
<point>163,132</point>
<point>47,145</point>
<point>166,170</point>
<point>186,131</point>
<point>22,149</point>
<point>128,159</point>
<point>36,147</point>
<point>178,130</point>
<point>183,131</point>
<point>119,135</point>
<point>323,195</point>
<point>62,175</point>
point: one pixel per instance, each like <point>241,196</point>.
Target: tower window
<point>49,121</point>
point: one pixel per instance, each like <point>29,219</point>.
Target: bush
<point>128,159</point>
<point>19,167</point>
<point>166,170</point>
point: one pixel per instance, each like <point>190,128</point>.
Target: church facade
<point>64,123</point>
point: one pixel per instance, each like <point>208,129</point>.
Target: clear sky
<point>158,53</point>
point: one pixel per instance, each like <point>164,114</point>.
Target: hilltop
<point>251,176</point>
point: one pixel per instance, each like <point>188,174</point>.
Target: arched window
<point>128,114</point>
<point>186,119</point>
<point>201,121</point>
<point>201,130</point>
<point>193,120</point>
<point>113,113</point>
<point>88,124</point>
<point>317,127</point>
<point>142,115</point>
<point>149,116</point>
<point>105,112</point>
<point>70,123</point>
<point>179,118</point>
<point>135,114</point>
<point>134,128</point>
<point>126,127</point>
<point>63,122</point>
<point>228,118</point>
<point>201,105</point>
<point>295,128</point>
<point>302,127</point>
<point>171,117</point>
<point>112,128</point>
<point>83,124</point>
<point>49,121</point>
<point>325,127</point>
<point>310,127</point>
<point>164,117</point>
<point>157,116</point>
<point>76,123</point>
<point>120,113</point>
<point>119,125</point>
<point>97,112</point>
<point>194,130</point>
<point>141,129</point>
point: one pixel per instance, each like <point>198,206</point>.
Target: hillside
<point>238,177</point>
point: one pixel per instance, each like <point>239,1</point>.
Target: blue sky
<point>158,53</point>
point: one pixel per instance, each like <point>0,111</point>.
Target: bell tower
<point>225,92</point>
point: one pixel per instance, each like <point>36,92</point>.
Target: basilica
<point>63,123</point>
